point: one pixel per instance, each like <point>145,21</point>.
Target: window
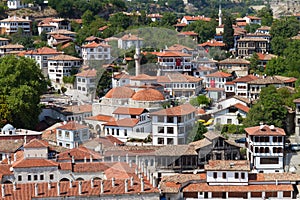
<point>118,131</point>
<point>170,130</point>
<point>224,175</point>
<point>236,175</point>
<point>160,129</point>
<point>42,177</point>
<point>243,175</point>
<point>67,134</point>
<point>215,174</point>
<point>20,178</point>
<point>29,177</point>
<point>51,176</point>
<point>160,140</point>
<point>125,132</point>
<point>170,120</point>
<point>266,161</point>
<point>229,121</point>
<point>68,145</point>
<point>35,177</point>
<point>160,119</point>
<point>59,133</point>
<point>170,141</point>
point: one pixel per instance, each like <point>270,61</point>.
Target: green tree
<point>87,17</point>
<point>251,28</point>
<point>228,32</point>
<point>254,62</point>
<point>200,100</point>
<point>278,45</point>
<point>168,19</point>
<point>21,84</point>
<point>266,15</point>
<point>197,133</point>
<point>286,27</point>
<point>269,109</point>
<point>104,83</point>
<point>205,30</point>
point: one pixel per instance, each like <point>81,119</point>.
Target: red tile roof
<point>42,51</point>
<point>242,107</point>
<point>173,54</point>
<point>120,93</point>
<point>88,73</point>
<point>129,111</point>
<point>130,37</point>
<point>229,83</point>
<point>126,122</point>
<point>189,33</point>
<point>27,191</point>
<point>79,154</point>
<point>34,162</point>
<point>64,57</point>
<point>204,187</point>
<point>196,18</point>
<point>184,109</point>
<point>103,118</point>
<point>227,165</point>
<point>142,77</point>
<point>245,79</point>
<point>180,25</point>
<point>212,43</point>
<point>215,89</point>
<point>265,130</point>
<point>72,126</point>
<point>219,74</point>
<point>95,45</point>
<point>178,47</point>
<point>5,170</point>
<point>177,78</point>
<point>36,143</point>
<point>148,94</point>
<point>103,28</point>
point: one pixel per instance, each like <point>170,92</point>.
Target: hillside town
<point>154,100</point>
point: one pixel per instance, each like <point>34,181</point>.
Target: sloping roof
<point>184,109</point>
<point>12,46</point>
<point>212,43</point>
<point>196,18</point>
<point>36,143</point>
<point>129,111</point>
<point>188,33</point>
<point>103,118</point>
<point>126,122</point>
<point>245,79</point>
<point>200,143</point>
<point>42,51</point>
<point>176,150</point>
<point>72,126</point>
<point>34,162</point>
<point>234,61</point>
<point>266,80</point>
<point>219,74</point>
<point>10,146</point>
<point>95,44</point>
<point>87,73</point>
<point>212,135</point>
<point>177,78</point>
<point>172,54</point>
<point>227,165</point>
<point>15,19</point>
<point>131,37</point>
<point>265,130</point>
<point>77,109</point>
<point>148,94</point>
<point>79,154</point>
<point>64,57</point>
<point>142,77</point>
<point>179,47</point>
<point>120,93</point>
<point>242,107</point>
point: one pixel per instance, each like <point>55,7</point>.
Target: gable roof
<point>212,43</point>
<point>172,54</point>
<point>34,162</point>
<point>184,109</point>
<point>72,126</point>
<point>36,143</point>
<point>177,78</point>
<point>265,130</point>
<point>87,73</point>
<point>242,107</point>
<point>129,111</point>
<point>245,79</point>
<point>126,122</point>
<point>227,165</point>
<point>64,57</point>
<point>103,118</point>
<point>219,74</point>
<point>42,51</point>
<point>79,154</point>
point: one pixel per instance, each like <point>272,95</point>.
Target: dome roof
<point>120,93</point>
<point>8,127</point>
<point>148,94</point>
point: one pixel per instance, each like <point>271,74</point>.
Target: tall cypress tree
<point>228,32</point>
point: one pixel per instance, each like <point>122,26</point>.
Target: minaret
<point>220,15</point>
<point>137,58</point>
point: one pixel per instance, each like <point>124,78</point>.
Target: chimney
<point>84,159</point>
<point>58,189</point>
<point>112,158</point>
<point>49,185</point>
<point>101,187</point>
<point>8,160</point>
<point>142,184</point>
<point>36,189</point>
<point>92,183</point>
<point>127,158</point>
<point>14,186</point>
<point>91,158</point>
<point>3,190</point>
<point>130,163</point>
<point>80,188</point>
<point>126,185</point>
<point>15,157</point>
<point>113,182</point>
<point>136,171</point>
<point>71,183</point>
<point>119,158</point>
<point>131,181</point>
<point>73,159</point>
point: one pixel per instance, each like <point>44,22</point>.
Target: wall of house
<point>228,179</point>
<point>38,171</point>
<point>36,153</point>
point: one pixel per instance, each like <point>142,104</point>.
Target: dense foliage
<point>21,84</point>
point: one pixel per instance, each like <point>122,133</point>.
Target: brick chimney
<point>142,184</point>
<point>71,183</point>
<point>80,188</point>
<point>113,182</point>
<point>92,183</point>
<point>131,181</point>
<point>36,189</point>
<point>101,187</point>
<point>58,189</point>
<point>14,186</point>
<point>49,185</point>
<point>126,185</point>
<point>3,190</point>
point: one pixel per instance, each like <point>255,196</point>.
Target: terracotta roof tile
<point>227,165</point>
<point>148,94</point>
<point>172,54</point>
<point>10,146</point>
<point>77,109</point>
<point>177,78</point>
<point>103,118</point>
<point>36,143</point>
<point>72,126</point>
<point>212,43</point>
<point>201,143</point>
<point>265,130</point>
<point>42,51</point>
<point>242,107</point>
<point>126,122</point>
<point>219,74</point>
<point>266,80</point>
<point>64,57</point>
<point>178,47</point>
<point>87,73</point>
<point>129,111</point>
<point>34,162</point>
<point>184,109</point>
<point>12,46</point>
<point>245,79</point>
<point>143,77</point>
<point>204,187</point>
<point>197,18</point>
<point>188,33</point>
<point>234,61</point>
<point>120,93</point>
<point>95,45</point>
<point>131,37</point>
<point>79,154</point>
